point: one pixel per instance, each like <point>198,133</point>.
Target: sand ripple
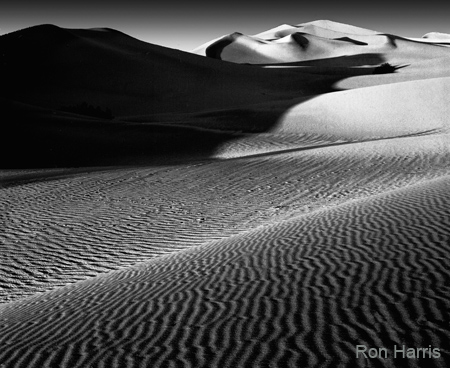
<point>65,229</point>
<point>301,292</point>
<point>267,216</point>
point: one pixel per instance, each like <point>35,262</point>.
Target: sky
<point>186,24</point>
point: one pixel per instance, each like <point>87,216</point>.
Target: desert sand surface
<point>272,200</point>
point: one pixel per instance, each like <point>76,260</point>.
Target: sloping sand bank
<point>301,292</point>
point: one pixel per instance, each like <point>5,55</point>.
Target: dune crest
<point>326,40</point>
<point>275,201</point>
<point>437,35</point>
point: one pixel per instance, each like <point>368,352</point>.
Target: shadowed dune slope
<point>65,91</point>
<point>303,292</point>
<point>405,104</point>
<point>126,101</point>
<point>54,67</point>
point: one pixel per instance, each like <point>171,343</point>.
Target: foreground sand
<point>302,292</point>
<point>300,211</point>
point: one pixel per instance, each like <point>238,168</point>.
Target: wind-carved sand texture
<point>275,201</point>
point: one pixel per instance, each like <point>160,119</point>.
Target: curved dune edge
<point>437,35</point>
<point>189,93</point>
<point>383,110</point>
<point>320,27</point>
<point>321,39</point>
<point>304,291</point>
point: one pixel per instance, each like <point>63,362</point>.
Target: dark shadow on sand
<point>36,136</point>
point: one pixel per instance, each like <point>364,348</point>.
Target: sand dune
<point>321,28</point>
<point>113,76</point>
<point>318,40</point>
<point>116,76</point>
<point>437,35</point>
<point>112,70</point>
<point>377,111</point>
<point>76,224</point>
<point>301,292</point>
<point>275,201</point>
<point>302,46</point>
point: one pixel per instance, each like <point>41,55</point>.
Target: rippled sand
<point>313,224</point>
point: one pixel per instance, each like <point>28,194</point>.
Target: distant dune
<point>317,40</point>
<point>133,87</point>
<point>268,200</point>
<point>437,35</point>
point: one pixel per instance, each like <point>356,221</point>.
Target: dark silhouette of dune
<point>128,76</point>
<point>123,76</point>
<point>172,93</point>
